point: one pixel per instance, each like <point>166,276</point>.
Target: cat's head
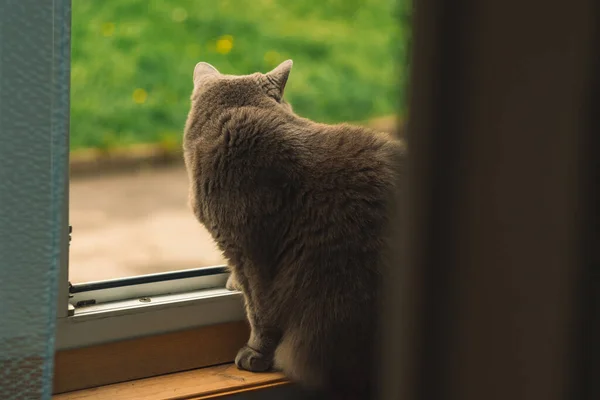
<point>257,89</point>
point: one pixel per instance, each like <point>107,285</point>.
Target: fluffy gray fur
<point>300,210</point>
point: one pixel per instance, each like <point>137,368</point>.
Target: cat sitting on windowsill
<point>301,212</point>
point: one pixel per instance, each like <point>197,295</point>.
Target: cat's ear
<point>279,75</point>
<point>203,69</point>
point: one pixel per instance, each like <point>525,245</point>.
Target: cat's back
<point>249,137</point>
<point>352,157</point>
<point>347,179</point>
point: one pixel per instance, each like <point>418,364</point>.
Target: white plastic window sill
<point>132,318</point>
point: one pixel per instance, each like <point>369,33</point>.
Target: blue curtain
<point>34,65</point>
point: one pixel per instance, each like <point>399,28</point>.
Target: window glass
<point>132,64</point>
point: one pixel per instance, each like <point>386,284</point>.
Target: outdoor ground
<point>135,223</point>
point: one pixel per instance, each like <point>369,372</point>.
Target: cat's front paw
<point>251,360</point>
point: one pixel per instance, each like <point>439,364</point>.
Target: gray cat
<point>300,210</point>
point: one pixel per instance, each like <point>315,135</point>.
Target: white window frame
<point>123,309</point>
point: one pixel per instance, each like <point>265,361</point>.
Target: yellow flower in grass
<point>224,44</point>
<point>108,29</point>
<point>140,96</point>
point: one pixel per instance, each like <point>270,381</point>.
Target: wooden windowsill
<point>204,383</point>
<point>153,356</point>
<point>193,364</point>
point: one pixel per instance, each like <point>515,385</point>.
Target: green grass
<point>132,60</point>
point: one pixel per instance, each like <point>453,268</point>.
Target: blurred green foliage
<point>132,60</point>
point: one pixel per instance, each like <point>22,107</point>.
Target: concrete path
<point>135,223</point>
